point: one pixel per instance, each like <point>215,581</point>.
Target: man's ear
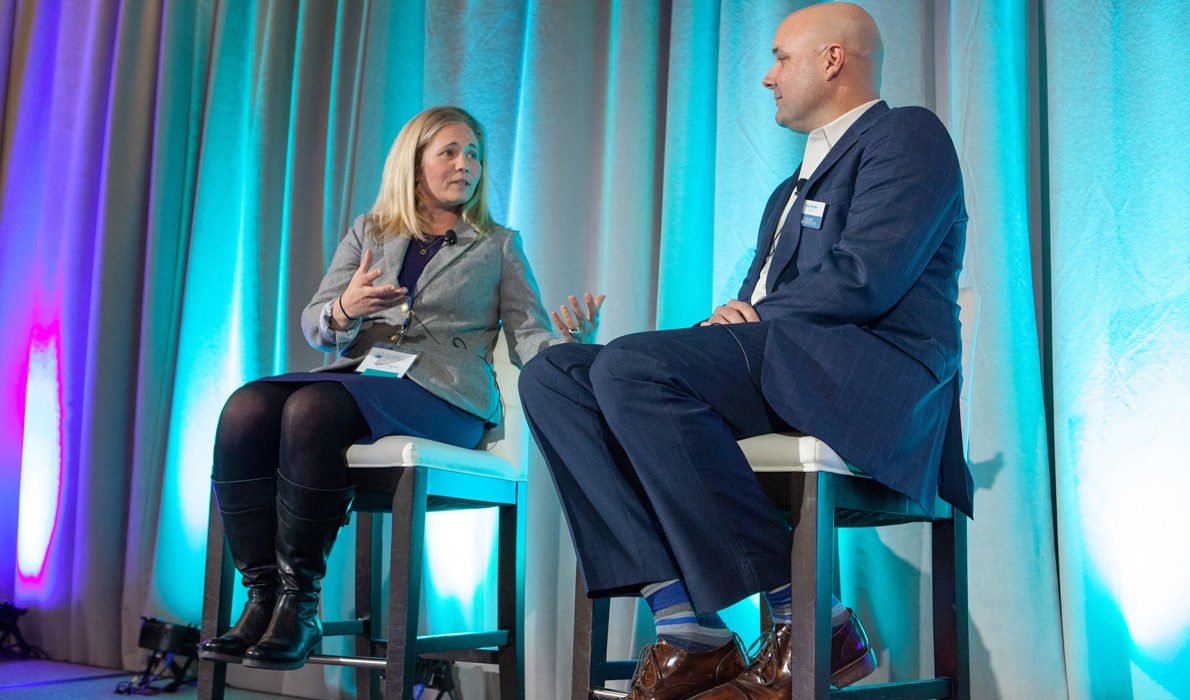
<point>835,56</point>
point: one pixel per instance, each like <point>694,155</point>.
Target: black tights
<point>300,430</point>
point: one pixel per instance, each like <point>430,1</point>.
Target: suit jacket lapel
<point>791,233</point>
<point>865,122</point>
<point>791,236</point>
<point>768,227</point>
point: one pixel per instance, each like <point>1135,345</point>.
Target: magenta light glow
<point>41,455</point>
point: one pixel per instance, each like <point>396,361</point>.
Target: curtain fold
<point>1120,276</point>
<point>174,177</point>
<point>1012,556</point>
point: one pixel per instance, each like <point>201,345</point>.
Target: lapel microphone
<point>450,238</point>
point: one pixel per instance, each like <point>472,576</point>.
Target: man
<point>845,328</point>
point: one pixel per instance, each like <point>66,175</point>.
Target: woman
<point>426,277</point>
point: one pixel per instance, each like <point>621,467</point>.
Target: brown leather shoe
<point>665,672</point>
<point>767,678</point>
<point>852,657</point>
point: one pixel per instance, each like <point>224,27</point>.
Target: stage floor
<point>36,679</point>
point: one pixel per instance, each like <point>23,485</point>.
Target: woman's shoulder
<point>367,231</point>
<point>501,232</point>
<point>498,236</point>
<point>362,224</point>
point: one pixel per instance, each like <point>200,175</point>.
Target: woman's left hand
<point>576,324</point>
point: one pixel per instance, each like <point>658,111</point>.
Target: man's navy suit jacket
<point>863,350</point>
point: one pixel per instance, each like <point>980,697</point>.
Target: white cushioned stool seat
<point>793,452</point>
<point>405,451</point>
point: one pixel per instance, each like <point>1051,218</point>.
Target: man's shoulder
<point>910,117</point>
<point>909,130</point>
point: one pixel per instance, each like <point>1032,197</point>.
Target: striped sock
<point>676,621</point>
<point>839,614</point>
<point>780,602</point>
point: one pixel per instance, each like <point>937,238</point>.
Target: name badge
<point>812,213</point>
<point>385,360</point>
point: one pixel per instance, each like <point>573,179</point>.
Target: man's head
<point>826,61</point>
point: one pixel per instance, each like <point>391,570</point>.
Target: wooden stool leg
<point>405,567</point>
<point>511,595</point>
<point>811,576</point>
<point>216,606</point>
<point>591,619</point>
<point>368,584</point>
<point>962,690</point>
<point>951,631</point>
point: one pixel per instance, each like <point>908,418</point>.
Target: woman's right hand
<point>579,326</point>
<point>362,297</point>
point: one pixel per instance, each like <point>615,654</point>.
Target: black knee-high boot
<point>308,520</point>
<point>249,514</point>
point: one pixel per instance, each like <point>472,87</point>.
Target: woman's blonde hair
<point>398,211</point>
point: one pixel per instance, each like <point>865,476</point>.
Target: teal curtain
<point>1119,259</point>
<point>175,175</point>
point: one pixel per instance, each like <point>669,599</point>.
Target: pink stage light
<point>41,455</point>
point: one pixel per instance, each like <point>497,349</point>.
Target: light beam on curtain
<point>1120,269</point>
<point>23,177</point>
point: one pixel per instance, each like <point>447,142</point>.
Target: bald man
<point>846,328</point>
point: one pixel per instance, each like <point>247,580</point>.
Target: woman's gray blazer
<point>467,291</point>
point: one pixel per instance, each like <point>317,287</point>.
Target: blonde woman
<point>414,297</point>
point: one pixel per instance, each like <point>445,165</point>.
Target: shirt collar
<point>820,141</point>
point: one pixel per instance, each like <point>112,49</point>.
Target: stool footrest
<point>473,656</point>
<point>353,661</point>
<point>463,646</point>
<point>905,690</point>
<point>436,643</point>
<point>341,628</point>
<point>618,670</point>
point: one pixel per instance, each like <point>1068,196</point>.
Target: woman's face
<point>450,168</point>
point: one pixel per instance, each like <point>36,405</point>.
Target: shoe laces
<point>647,660</point>
<point>765,664</point>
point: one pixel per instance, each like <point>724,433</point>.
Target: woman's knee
<point>248,431</point>
<point>251,409</point>
<point>319,412</point>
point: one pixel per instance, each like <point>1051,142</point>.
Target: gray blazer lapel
<point>447,254</point>
<point>393,257</point>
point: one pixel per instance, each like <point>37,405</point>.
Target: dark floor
<point>36,679</point>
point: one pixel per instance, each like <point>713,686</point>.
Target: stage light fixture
<point>173,649</point>
<point>18,647</point>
